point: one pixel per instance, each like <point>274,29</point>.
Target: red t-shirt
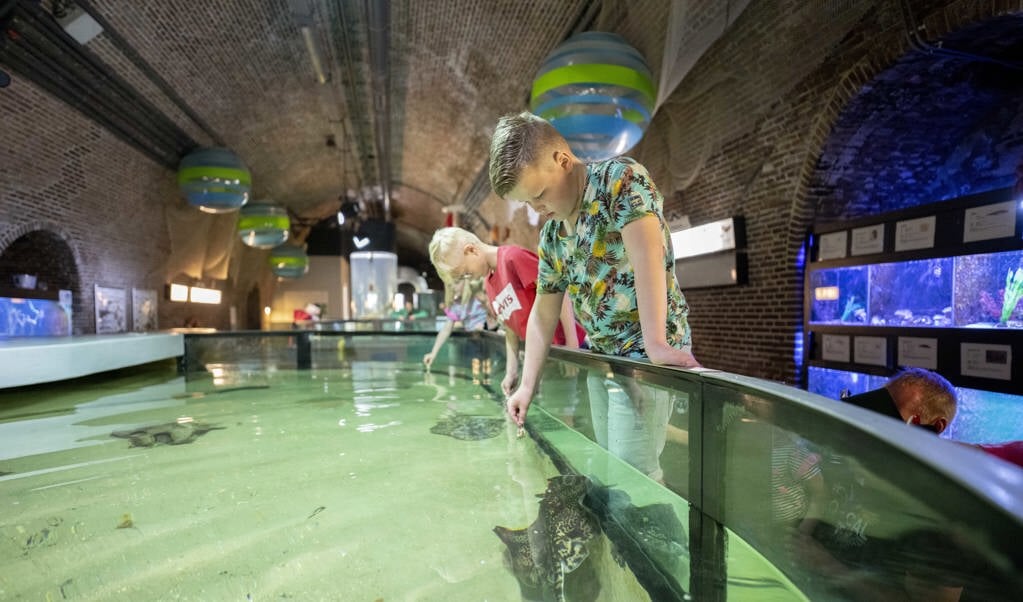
<point>511,288</point>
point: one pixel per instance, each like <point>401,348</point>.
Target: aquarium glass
<point>833,383</point>
<point>988,290</point>
<point>912,293</point>
<point>374,283</point>
<point>839,295</point>
<point>981,417</point>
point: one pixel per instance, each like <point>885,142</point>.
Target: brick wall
<point>746,132</point>
<point>65,180</point>
<point>768,125</point>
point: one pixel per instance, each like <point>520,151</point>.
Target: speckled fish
<point>468,428</point>
<point>171,433</point>
<point>557,541</point>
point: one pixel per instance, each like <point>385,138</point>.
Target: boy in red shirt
<point>510,281</point>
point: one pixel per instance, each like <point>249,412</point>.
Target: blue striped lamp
<point>214,180</point>
<point>598,92</point>
<point>289,261</point>
<point>263,225</point>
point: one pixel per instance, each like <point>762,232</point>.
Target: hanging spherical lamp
<point>597,91</point>
<point>263,225</point>
<point>214,180</point>
<point>289,261</point>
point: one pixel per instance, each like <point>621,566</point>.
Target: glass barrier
<point>719,486</point>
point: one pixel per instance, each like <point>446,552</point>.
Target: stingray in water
<point>171,433</point>
<point>557,543</point>
<point>468,428</point>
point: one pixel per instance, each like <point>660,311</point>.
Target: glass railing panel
<point>843,510</point>
<point>239,350</point>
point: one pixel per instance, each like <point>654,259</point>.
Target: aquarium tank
<point>912,293</point>
<point>981,416</point>
<point>969,291</point>
<point>839,295</point>
<point>374,283</point>
<point>988,290</point>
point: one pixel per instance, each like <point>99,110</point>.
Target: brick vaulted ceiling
<point>244,79</point>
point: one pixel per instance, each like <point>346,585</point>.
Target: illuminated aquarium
<point>34,317</point>
<point>988,290</point>
<point>833,383</point>
<point>912,293</point>
<point>981,416</point>
<point>374,282</point>
<point>839,295</point>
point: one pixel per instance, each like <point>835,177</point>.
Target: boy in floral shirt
<point>605,243</point>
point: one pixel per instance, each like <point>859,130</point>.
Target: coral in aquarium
<point>1012,294</point>
<point>853,310</point>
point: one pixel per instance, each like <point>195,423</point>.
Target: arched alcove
<point>932,127</point>
<point>50,264</point>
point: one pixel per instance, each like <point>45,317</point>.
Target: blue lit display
<point>33,318</point>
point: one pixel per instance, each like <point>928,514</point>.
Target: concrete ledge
<point>31,361</point>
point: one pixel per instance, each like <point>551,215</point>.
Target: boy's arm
<point>642,238</point>
<point>568,323</point>
<point>539,333</point>
<point>442,336</point>
<point>511,350</point>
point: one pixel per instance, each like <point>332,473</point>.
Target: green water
<point>321,485</point>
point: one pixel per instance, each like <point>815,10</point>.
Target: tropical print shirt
<point>591,265</point>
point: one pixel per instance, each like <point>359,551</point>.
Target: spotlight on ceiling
<point>349,209</point>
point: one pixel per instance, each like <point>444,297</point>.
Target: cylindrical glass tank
<point>374,282</point>
<point>289,261</point>
<point>215,180</point>
<point>263,225</point>
<point>598,92</point>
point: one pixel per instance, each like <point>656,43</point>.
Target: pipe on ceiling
<point>378,26</point>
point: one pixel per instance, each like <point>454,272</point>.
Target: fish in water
<point>556,543</point>
<point>171,433</point>
<point>468,428</point>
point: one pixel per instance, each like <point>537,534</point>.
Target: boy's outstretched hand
<point>517,405</point>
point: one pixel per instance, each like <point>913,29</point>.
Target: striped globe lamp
<point>263,225</point>
<point>214,180</point>
<point>289,261</point>
<point>598,92</point>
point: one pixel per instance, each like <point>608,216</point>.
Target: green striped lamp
<point>214,180</point>
<point>597,91</point>
<point>263,225</point>
<point>289,261</point>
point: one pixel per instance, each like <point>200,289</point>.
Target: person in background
<point>509,276</point>
<point>915,396</point>
<point>606,243</point>
<point>408,313</point>
<point>466,307</point>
